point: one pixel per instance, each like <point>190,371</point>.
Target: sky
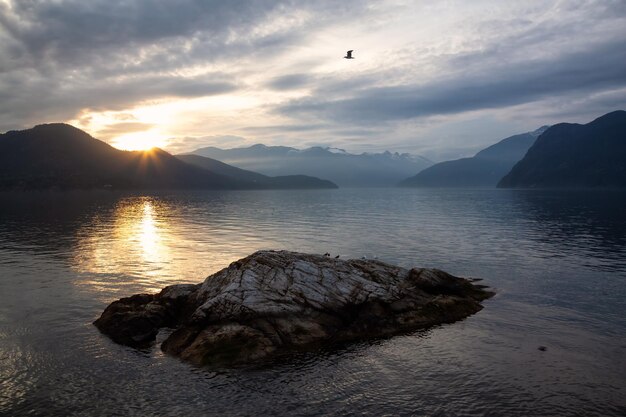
<point>442,79</point>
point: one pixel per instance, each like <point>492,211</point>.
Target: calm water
<point>556,259</point>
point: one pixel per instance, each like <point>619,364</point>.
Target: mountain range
<point>61,156</point>
<point>264,181</point>
<point>574,155</point>
<point>484,169</point>
<point>565,155</point>
<point>341,167</point>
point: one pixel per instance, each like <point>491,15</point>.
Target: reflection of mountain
<point>280,182</point>
<point>483,169</point>
<point>49,222</point>
<point>343,168</point>
<point>61,156</point>
<point>577,220</point>
<point>573,155</point>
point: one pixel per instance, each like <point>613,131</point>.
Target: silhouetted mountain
<point>484,169</point>
<point>59,155</point>
<point>280,182</point>
<point>339,166</point>
<point>62,156</point>
<point>574,155</point>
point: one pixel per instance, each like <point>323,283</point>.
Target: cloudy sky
<point>438,78</point>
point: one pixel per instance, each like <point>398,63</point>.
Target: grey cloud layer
<point>597,69</point>
<point>59,57</point>
<point>71,29</point>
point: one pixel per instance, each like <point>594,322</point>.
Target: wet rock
<point>276,300</point>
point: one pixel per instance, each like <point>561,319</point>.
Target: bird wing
<point>350,52</point>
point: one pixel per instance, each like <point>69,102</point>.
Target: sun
<point>138,141</point>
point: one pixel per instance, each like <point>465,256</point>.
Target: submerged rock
<point>276,300</point>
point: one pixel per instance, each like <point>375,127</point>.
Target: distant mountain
<point>482,170</point>
<point>61,156</point>
<point>337,165</point>
<point>282,182</point>
<point>574,155</point>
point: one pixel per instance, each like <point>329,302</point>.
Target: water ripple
<point>557,261</point>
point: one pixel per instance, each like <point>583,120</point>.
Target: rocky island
<point>272,301</point>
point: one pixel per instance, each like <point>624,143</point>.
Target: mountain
<point>574,155</point>
<point>282,182</point>
<point>339,166</point>
<point>61,156</point>
<point>484,169</point>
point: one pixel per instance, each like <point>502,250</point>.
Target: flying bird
<point>349,54</point>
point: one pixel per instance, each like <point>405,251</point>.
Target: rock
<point>272,301</point>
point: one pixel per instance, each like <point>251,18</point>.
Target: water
<point>556,259</point>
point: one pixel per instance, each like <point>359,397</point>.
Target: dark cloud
<point>300,127</point>
<point>143,35</point>
<point>32,98</point>
<point>290,81</point>
<point>191,143</point>
<point>124,127</point>
<point>595,69</point>
<point>73,29</point>
<point>60,57</point>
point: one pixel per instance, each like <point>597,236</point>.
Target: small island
<point>273,301</point>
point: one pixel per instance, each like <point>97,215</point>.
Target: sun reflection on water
<point>131,242</point>
<point>145,243</point>
<point>148,237</point>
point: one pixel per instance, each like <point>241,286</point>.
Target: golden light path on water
<point>550,256</point>
<point>138,244</point>
<point>148,237</point>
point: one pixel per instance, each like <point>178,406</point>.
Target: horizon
<point>234,146</point>
<point>463,78</point>
<point>285,208</point>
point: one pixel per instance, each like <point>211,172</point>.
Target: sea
<point>555,258</point>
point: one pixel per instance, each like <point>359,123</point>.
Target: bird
<point>349,54</point>
<point>327,254</point>
<point>337,257</point>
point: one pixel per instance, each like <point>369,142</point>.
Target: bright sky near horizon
<point>442,79</point>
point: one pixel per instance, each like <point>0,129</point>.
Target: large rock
<point>276,300</point>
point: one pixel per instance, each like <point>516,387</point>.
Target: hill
<point>280,182</point>
<point>484,169</point>
<point>61,156</point>
<point>574,155</point>
<point>337,165</point>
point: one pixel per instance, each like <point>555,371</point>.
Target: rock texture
<point>276,300</point>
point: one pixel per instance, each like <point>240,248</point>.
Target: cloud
<point>190,143</point>
<point>58,58</point>
<point>290,81</point>
<point>121,128</point>
<point>32,98</point>
<point>68,31</point>
<point>602,67</point>
<point>300,127</point>
<point>272,70</point>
